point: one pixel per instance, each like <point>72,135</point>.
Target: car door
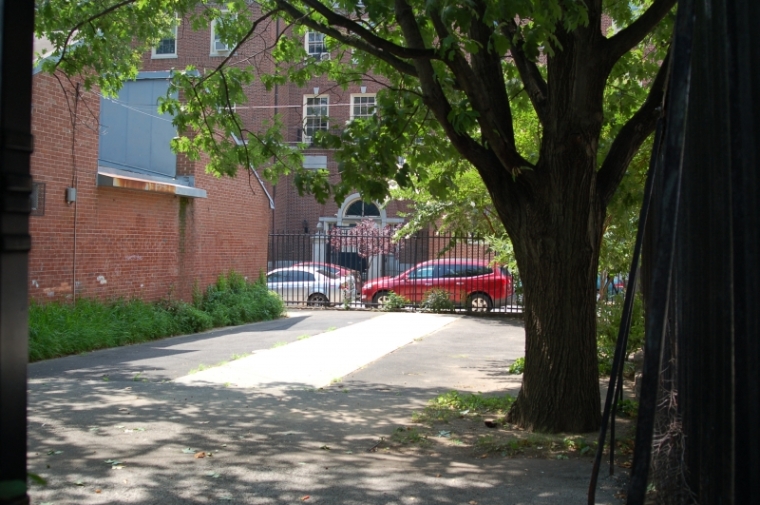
<point>418,282</point>
<point>302,284</point>
<point>327,282</point>
<point>276,283</point>
<point>450,279</point>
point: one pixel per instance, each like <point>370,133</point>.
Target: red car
<point>473,284</point>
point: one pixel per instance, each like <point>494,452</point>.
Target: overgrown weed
<point>60,329</point>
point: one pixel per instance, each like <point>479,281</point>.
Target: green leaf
<point>36,479</point>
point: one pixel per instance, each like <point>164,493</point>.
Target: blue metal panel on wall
<point>133,135</point>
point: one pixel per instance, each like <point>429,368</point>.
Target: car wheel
<point>479,303</point>
<point>380,298</point>
<point>317,300</point>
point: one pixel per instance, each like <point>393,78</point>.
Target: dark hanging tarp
<point>697,435</point>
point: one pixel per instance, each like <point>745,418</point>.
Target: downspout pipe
<point>258,177</point>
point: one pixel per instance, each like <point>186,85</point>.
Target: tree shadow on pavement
<point>140,442</point>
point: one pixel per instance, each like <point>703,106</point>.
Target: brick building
<point>128,224</point>
<point>317,105</point>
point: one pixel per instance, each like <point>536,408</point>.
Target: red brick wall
<point>116,243</point>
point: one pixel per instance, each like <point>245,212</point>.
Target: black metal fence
<point>436,272</point>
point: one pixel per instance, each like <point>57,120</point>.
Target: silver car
<point>311,285</point>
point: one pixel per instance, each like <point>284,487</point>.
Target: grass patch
<point>59,329</point>
<point>303,337</point>
<point>409,436</point>
<point>281,343</point>
<point>551,446</point>
<point>452,405</point>
<point>202,367</point>
<point>475,403</point>
<point>492,443</point>
<point>432,415</point>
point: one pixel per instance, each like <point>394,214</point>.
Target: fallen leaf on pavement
<point>98,491</point>
<point>200,454</point>
<point>325,448</point>
<point>304,498</point>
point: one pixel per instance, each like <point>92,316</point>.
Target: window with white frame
<point>315,44</point>
<point>217,46</point>
<point>315,115</point>
<point>362,105</point>
<point>167,47</point>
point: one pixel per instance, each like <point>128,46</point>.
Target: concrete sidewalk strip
<point>315,362</point>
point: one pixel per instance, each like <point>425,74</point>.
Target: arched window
<point>360,208</point>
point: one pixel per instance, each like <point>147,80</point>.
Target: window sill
<point>163,56</point>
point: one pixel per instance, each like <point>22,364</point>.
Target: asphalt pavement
<point>282,412</point>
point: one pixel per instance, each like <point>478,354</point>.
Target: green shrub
<point>189,318</point>
<point>609,313</point>
<point>58,329</point>
<point>437,300</point>
<point>628,407</point>
<point>518,366</point>
<point>233,301</point>
<point>394,303</point>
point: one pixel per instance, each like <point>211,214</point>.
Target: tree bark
<point>556,244</point>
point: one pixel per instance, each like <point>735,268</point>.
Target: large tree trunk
<point>556,242</point>
<point>560,391</point>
